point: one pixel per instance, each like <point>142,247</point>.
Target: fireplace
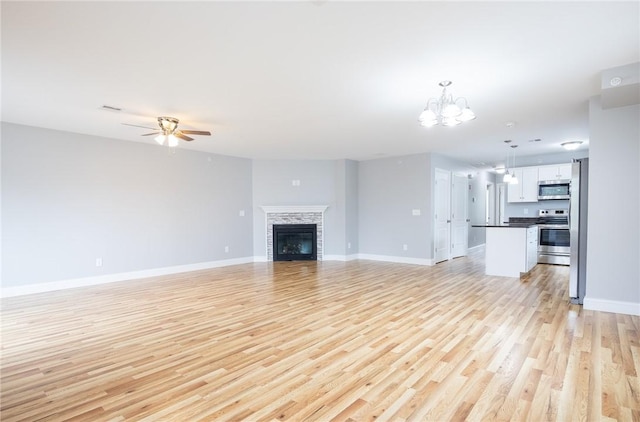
<point>295,242</point>
<point>293,215</point>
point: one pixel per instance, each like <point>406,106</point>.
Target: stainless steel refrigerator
<point>578,229</point>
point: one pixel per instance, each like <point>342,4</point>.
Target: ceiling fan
<point>169,132</point>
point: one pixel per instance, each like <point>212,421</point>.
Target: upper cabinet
<point>527,188</point>
<point>554,172</point>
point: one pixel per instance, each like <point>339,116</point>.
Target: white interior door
<point>459,216</point>
<point>442,206</point>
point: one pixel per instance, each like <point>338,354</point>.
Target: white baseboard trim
<point>111,278</point>
<point>324,258</point>
<point>369,257</point>
<point>343,258</point>
<point>615,306</point>
<point>397,259</point>
<point>477,247</point>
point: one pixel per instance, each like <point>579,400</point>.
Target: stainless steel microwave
<point>554,189</point>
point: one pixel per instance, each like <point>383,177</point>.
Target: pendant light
<point>507,176</point>
<point>510,176</point>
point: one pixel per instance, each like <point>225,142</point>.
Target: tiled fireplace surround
<point>300,214</point>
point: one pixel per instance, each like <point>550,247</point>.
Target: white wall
<point>613,243</point>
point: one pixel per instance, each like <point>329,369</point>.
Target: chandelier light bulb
<point>160,139</point>
<point>429,123</point>
<point>451,121</point>
<point>467,115</point>
<point>513,180</point>
<point>427,115</point>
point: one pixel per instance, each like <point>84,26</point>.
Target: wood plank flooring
<point>319,341</point>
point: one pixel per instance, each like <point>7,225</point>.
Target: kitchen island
<point>510,250</point>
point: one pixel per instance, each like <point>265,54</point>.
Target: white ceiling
<point>315,79</point>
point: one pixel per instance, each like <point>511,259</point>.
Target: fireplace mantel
<point>294,214</point>
<point>277,209</point>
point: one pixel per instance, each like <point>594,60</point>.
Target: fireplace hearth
<point>295,242</point>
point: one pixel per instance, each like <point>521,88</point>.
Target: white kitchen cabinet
<point>554,172</point>
<point>510,251</point>
<point>527,188</point>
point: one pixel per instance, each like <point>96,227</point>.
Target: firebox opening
<point>294,242</point>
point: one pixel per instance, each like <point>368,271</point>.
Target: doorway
<point>451,221</point>
<point>442,207</point>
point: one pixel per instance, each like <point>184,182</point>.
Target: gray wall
<point>322,182</point>
<point>352,225</point>
<point>388,190</point>
<point>613,251</point>
<point>68,199</point>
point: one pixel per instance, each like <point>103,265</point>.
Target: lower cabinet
<point>532,247</point>
<point>510,251</point>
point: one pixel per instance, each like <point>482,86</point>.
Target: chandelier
<point>445,110</point>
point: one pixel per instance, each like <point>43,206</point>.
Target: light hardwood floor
<point>320,341</point>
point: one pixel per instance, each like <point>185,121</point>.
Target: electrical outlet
<point>98,262</point>
<point>349,245</point>
<point>415,212</point>
<point>241,213</point>
<point>226,249</point>
<point>405,247</point>
<point>295,182</point>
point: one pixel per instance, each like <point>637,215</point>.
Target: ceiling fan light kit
<point>445,110</point>
<point>170,134</point>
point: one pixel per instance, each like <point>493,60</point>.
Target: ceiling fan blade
<point>197,132</point>
<point>144,127</point>
<point>149,134</point>
<point>179,134</point>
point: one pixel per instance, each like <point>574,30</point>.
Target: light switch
<point>241,213</point>
<point>415,212</point>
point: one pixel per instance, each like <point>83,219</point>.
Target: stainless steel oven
<point>554,237</point>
